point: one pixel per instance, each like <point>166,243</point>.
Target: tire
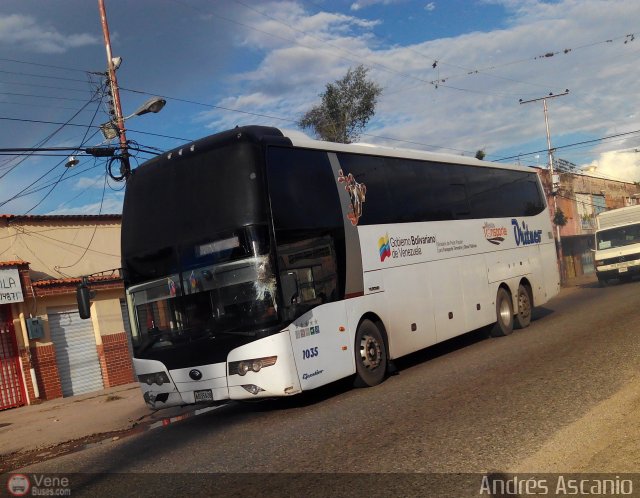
<point>522,318</point>
<point>602,281</point>
<point>504,314</point>
<point>370,355</point>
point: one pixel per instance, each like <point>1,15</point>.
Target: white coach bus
<point>259,265</point>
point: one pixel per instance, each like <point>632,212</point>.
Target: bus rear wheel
<point>523,316</point>
<point>371,355</point>
<point>504,314</point>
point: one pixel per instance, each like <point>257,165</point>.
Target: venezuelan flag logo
<point>383,247</point>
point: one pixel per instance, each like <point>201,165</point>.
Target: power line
<point>40,121</point>
<point>44,65</point>
<point>569,145</point>
<point>82,142</point>
<point>31,95</point>
<point>46,139</point>
<point>95,229</point>
<point>50,87</point>
<point>49,77</point>
<point>546,55</point>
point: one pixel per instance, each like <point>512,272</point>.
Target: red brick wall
<point>44,363</point>
<point>115,360</point>
<point>64,288</point>
<point>26,368</point>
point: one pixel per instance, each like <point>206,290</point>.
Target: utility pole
<point>125,168</point>
<point>553,187</point>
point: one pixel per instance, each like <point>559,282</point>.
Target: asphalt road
<point>469,407</point>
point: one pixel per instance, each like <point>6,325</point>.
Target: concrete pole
<point>558,239</point>
<point>553,191</point>
<point>125,168</point>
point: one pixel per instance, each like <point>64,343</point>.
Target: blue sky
<point>268,61</point>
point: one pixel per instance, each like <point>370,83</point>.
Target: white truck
<point>617,244</point>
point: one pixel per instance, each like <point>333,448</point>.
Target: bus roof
<point>298,139</point>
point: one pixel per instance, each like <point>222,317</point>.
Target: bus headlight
<point>243,367</point>
<point>254,364</point>
<point>154,378</point>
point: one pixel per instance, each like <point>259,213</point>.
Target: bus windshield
<point>232,298</point>
<point>618,237</point>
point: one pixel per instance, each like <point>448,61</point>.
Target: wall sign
<point>10,288</point>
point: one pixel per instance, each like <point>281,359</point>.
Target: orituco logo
<point>384,248</point>
<point>494,234</point>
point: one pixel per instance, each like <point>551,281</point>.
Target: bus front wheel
<point>371,355</point>
<point>504,314</point>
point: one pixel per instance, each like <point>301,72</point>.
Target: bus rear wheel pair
<point>506,320</point>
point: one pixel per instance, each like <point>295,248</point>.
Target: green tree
<point>559,218</point>
<point>346,107</point>
<point>480,154</point>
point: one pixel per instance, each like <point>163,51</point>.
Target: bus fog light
<point>252,388</point>
<point>159,379</point>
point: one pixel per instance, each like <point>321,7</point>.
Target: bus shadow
<point>442,348</point>
<point>540,312</point>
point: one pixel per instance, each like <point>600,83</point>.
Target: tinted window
<point>309,228</point>
<point>499,193</point>
<point>303,191</point>
<point>404,190</point>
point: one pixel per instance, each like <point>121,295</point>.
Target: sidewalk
<point>36,430</point>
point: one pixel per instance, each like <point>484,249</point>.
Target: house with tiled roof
<point>46,350</point>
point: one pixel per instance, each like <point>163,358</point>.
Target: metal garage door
<point>11,386</point>
<point>76,352</point>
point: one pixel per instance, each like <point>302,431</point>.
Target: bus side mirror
<point>290,289</point>
<point>83,296</point>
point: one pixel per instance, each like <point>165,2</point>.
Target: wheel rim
<point>524,306</point>
<point>370,352</point>
<point>504,312</point>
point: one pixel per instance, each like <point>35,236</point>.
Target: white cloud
<point>112,204</point>
<point>86,183</point>
<point>481,76</point>
<point>430,7</point>
<point>617,165</point>
<point>25,32</point>
<point>361,4</point>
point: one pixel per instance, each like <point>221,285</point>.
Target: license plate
<point>622,270</point>
<point>203,396</point>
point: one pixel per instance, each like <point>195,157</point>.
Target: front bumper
<point>213,384</point>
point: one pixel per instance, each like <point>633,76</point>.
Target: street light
<point>154,104</point>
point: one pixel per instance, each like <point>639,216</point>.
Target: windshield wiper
<point>150,340</point>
